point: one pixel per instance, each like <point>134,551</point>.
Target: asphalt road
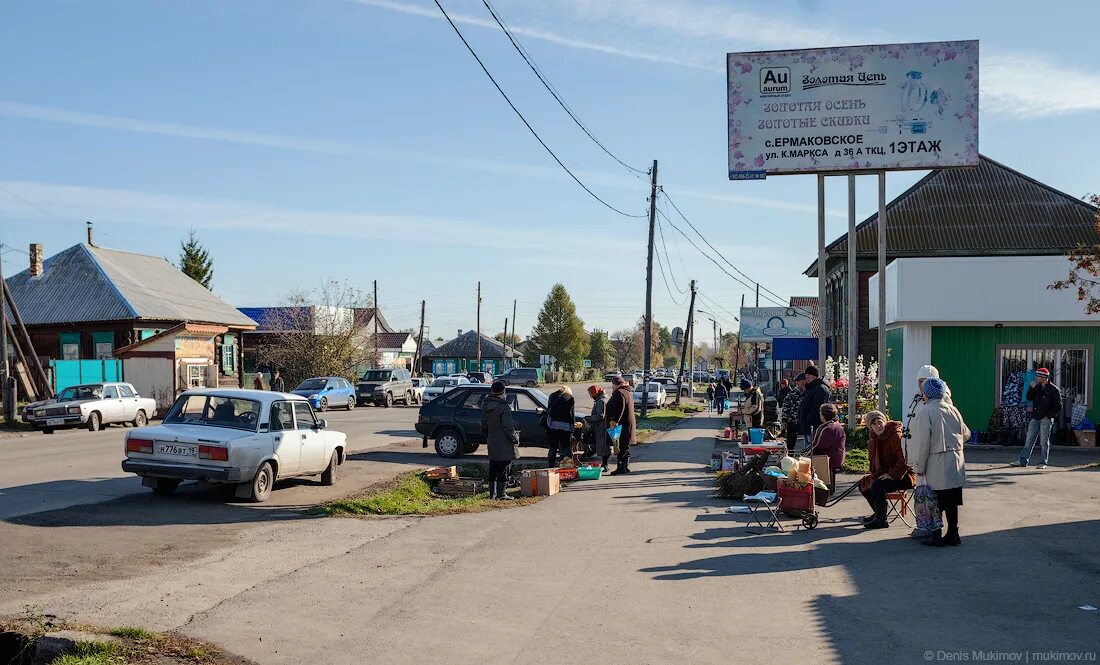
<point>40,472</point>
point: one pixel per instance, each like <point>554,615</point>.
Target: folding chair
<point>899,506</point>
<point>755,505</point>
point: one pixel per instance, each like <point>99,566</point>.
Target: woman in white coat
<point>935,451</point>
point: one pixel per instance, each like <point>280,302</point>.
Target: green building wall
<point>895,354</point>
<point>967,359</point>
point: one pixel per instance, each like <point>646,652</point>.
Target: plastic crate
<point>589,473</point>
<point>565,474</point>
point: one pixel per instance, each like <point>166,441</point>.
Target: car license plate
<point>55,422</point>
<point>173,449</point>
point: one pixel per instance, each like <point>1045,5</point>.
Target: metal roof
<point>392,340</point>
<point>985,210</point>
<point>85,283</point>
<point>465,346</point>
<point>808,303</point>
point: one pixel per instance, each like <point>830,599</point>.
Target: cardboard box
<point>441,472</point>
<point>529,482</point>
<point>1086,438</point>
<point>548,482</point>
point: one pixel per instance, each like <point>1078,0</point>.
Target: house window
<point>1069,368</point>
<point>228,356</point>
<point>196,376</point>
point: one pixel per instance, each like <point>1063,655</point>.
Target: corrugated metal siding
<point>967,359</point>
<point>895,354</point>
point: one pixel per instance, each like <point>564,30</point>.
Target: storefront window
<point>1069,369</point>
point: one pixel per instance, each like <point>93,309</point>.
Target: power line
<point>705,254</point>
<point>664,279</point>
<point>521,117</point>
<point>553,91</point>
<point>715,303</point>
<point>661,232</point>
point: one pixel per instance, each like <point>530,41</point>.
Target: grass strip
<point>411,494</point>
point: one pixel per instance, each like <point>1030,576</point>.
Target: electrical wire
<point>553,91</point>
<point>679,303</point>
<point>714,303</point>
<point>524,119</point>
<point>668,261</point>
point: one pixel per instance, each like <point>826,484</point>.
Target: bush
<point>857,438</point>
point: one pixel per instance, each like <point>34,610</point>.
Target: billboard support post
<point>853,302</point>
<point>882,360</point>
<point>822,312</point>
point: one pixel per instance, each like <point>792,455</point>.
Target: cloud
<point>696,35</point>
<point>65,116</point>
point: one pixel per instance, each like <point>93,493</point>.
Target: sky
<point>357,140</point>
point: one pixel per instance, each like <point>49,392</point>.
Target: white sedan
<point>246,438</point>
<point>656,397</point>
<point>420,384</point>
<point>443,384</point>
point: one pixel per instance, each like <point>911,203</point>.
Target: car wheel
<point>323,404</point>
<point>47,430</point>
<point>262,483</point>
<point>328,476</point>
<point>389,400</point>
<point>166,486</point>
<point>470,448</point>
<point>530,384</point>
<point>408,398</point>
<point>140,420</point>
<point>448,443</point>
<point>351,403</point>
<point>95,422</point>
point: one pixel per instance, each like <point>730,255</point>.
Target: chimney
<point>460,332</point>
<point>36,259</point>
<point>90,243</point>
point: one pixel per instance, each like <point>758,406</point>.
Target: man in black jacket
<point>817,393</point>
<point>1046,405</point>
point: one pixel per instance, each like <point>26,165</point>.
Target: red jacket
<point>886,456</point>
<point>829,439</point>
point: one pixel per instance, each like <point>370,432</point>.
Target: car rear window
<point>215,411</point>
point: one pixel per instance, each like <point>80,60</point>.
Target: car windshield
<point>76,393</point>
<point>215,411</point>
<point>376,375</point>
<point>443,383</point>
<point>542,398</point>
<point>312,384</point>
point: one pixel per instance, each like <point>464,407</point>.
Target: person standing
<point>784,390</point>
<point>710,397</point>
<point>721,394</point>
<point>277,383</point>
<point>502,439</point>
<point>620,411</point>
<point>752,407</point>
<point>830,439</point>
<point>790,410</point>
<point>938,437</point>
<point>600,441</point>
<point>559,424</point>
<point>1046,405</point>
<point>258,381</point>
<point>809,409</point>
<point>889,471</point>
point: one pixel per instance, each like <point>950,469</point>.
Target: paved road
<point>41,472</point>
<point>646,568</point>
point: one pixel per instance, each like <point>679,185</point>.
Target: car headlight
<point>39,412</point>
<point>313,396</point>
<point>74,410</point>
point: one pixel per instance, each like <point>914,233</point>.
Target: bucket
<point>727,433</point>
<point>588,473</point>
<point>756,434</point>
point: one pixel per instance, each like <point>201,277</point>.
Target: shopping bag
<point>926,507</point>
<point>727,404</point>
<point>615,432</point>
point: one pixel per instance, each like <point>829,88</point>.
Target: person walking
<point>790,410</point>
<point>938,439</point>
<point>600,441</point>
<point>809,409</point>
<point>752,407</point>
<point>784,390</point>
<point>258,381</point>
<point>1046,405</point>
<point>721,394</point>
<point>277,383</point>
<point>559,424</point>
<point>889,470</point>
<point>830,439</point>
<point>710,396</point>
<point>502,439</point>
<point>620,411</point>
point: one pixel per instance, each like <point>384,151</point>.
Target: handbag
<point>926,507</point>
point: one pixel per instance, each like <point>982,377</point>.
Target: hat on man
<point>801,377</point>
<point>497,387</point>
<point>746,384</point>
<point>1043,372</point>
<point>813,371</point>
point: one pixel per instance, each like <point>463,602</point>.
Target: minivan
<point>522,376</point>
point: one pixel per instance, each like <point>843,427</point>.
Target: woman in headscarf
<point>600,440</point>
<point>938,436</point>
<point>559,424</point>
<point>889,471</point>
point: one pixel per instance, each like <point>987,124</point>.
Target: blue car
<point>324,392</point>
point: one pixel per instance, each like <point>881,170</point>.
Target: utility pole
<point>419,339</point>
<point>683,350</point>
<point>479,326</point>
<point>513,337</point>
<point>737,361</point>
<point>504,358</point>
<point>649,289</point>
<point>377,309</point>
<point>756,346</point>
<point>5,376</point>
<point>719,345</point>
<point>715,326</point>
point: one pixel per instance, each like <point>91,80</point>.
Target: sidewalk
<point>645,568</point>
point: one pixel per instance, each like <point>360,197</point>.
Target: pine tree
<point>195,261</point>
<point>559,332</point>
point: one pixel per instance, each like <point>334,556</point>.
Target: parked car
<point>419,384</point>
<point>454,420</point>
<point>611,375</point>
<point>327,391</point>
<point>479,377</point>
<point>656,396</point>
<point>91,405</point>
<point>670,386</point>
<point>442,385</point>
<point>383,387</point>
<point>246,438</point>
<point>522,376</point>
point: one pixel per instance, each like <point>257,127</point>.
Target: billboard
<point>853,108</point>
<point>763,324</point>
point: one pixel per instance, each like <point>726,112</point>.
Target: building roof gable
<point>465,346</point>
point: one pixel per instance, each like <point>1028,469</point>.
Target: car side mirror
<point>322,423</point>
<point>539,410</point>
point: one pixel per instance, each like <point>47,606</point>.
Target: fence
<point>65,373</point>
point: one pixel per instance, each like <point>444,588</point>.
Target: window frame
<point>1056,377</point>
<point>309,409</point>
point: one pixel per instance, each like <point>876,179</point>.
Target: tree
<point>559,332</point>
<point>317,334</point>
<point>1084,272</point>
<point>195,261</point>
<point>626,348</point>
<point>599,349</point>
<point>512,339</point>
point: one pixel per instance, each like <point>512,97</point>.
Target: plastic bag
<point>786,463</point>
<point>615,432</point>
<point>1085,424</point>
<point>926,507</point>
